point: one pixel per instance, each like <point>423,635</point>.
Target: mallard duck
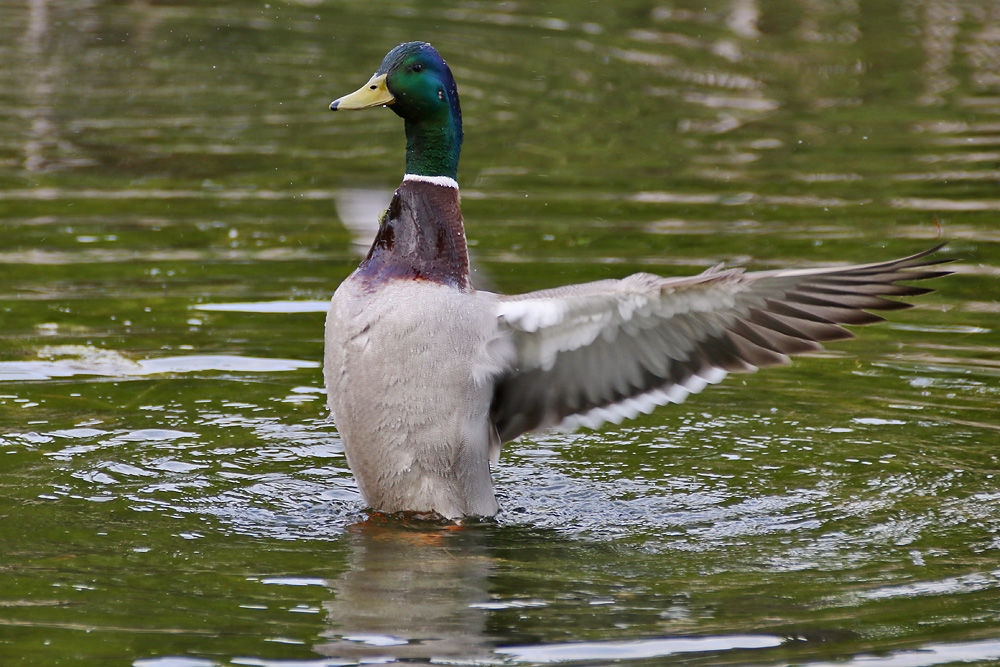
<point>427,377</point>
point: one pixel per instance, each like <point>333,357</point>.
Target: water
<point>178,204</point>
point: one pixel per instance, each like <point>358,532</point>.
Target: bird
<point>427,377</point>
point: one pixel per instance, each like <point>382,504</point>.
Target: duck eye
<point>417,68</point>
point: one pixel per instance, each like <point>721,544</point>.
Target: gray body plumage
<point>410,369</point>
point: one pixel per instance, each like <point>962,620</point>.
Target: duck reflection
<point>360,210</point>
<point>410,591</point>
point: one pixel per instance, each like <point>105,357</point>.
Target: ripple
<point>636,649</point>
<point>170,661</point>
<point>84,360</point>
<point>267,307</point>
<point>294,581</point>
<point>924,656</point>
<point>969,583</point>
<point>941,204</point>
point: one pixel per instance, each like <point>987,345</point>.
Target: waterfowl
<point>428,377</point>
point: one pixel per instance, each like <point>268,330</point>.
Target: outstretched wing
<point>609,350</point>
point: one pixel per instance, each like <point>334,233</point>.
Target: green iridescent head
<point>415,82</point>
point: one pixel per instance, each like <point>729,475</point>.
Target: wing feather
<point>612,349</point>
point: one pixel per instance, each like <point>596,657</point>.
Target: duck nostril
<point>373,86</point>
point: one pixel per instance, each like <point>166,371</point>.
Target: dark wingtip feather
<point>806,329</point>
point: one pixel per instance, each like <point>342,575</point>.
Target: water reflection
<point>360,210</point>
<point>46,145</point>
<point>411,592</point>
<point>416,590</point>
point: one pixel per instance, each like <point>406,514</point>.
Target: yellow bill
<point>372,94</point>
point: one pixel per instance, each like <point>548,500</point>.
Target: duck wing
<point>608,350</point>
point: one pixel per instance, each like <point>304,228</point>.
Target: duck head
<point>415,82</point>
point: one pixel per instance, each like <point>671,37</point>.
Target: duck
<point>427,377</point>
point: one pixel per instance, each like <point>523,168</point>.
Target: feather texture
<point>610,350</point>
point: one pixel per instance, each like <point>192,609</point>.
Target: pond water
<point>177,205</point>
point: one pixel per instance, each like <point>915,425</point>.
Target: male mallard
<point>428,377</point>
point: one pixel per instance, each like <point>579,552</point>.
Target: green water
<point>177,203</point>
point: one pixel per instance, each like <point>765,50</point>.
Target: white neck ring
<point>436,180</point>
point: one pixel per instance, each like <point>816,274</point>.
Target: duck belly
<point>409,368</point>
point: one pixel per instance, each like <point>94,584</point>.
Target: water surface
<point>178,205</point>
